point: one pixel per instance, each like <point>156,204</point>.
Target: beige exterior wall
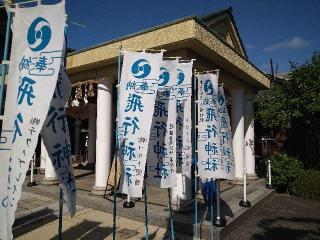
<point>188,39</point>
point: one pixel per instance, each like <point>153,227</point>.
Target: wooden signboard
<point>110,182</point>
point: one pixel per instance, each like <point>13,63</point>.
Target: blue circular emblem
<point>180,76</point>
<point>141,68</point>
<point>39,34</point>
<point>164,76</point>
<point>220,98</point>
<point>208,88</point>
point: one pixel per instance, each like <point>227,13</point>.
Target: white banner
<point>215,155</point>
<point>161,165</point>
<point>138,88</point>
<point>209,151</point>
<point>55,134</point>
<point>226,137</point>
<point>184,121</point>
<point>38,35</point>
<point>183,88</point>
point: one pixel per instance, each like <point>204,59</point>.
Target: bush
<point>284,171</point>
<point>307,185</point>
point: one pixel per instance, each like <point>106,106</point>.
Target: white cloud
<point>293,43</point>
<point>250,46</point>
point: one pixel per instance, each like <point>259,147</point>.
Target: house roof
<point>221,13</point>
<point>191,29</point>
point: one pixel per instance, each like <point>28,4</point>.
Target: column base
<point>244,204</point>
<point>99,191</point>
<point>31,184</point>
<point>91,166</point>
<point>50,181</point>
<point>252,176</point>
<point>237,181</point>
<point>269,186</point>
<point>127,204</point>
<point>220,222</point>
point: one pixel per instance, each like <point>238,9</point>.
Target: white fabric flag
<point>226,137</point>
<point>55,134</point>
<point>161,163</point>
<point>183,87</point>
<point>138,88</point>
<point>184,121</point>
<point>209,151</point>
<point>38,35</point>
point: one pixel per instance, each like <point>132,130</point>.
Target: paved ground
<point>158,203</point>
<point>275,217</point>
<point>279,217</point>
<point>37,218</point>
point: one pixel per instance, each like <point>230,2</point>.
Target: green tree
<point>293,104</point>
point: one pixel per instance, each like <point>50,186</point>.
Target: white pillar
<point>182,193</point>
<point>92,109</point>
<point>237,125</point>
<point>50,176</point>
<point>104,135</point>
<point>43,157</point>
<point>249,138</point>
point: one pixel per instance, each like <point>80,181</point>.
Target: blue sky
<point>284,30</point>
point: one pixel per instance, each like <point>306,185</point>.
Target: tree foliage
<point>285,169</point>
<point>295,101</point>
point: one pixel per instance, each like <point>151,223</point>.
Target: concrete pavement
<point>37,218</point>
<point>158,203</point>
<point>277,217</point>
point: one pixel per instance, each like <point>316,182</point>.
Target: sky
<point>284,30</point>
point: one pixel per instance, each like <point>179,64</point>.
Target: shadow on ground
<point>33,221</point>
<point>186,225</point>
<point>277,217</point>
<point>284,228</point>
<point>86,230</point>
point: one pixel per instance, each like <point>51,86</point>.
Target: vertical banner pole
<point>220,221</point>
<point>32,163</point>
<point>244,185</point>
<point>171,216</point>
<point>117,150</point>
<point>145,204</point>
<point>195,157</point>
<point>218,199</point>
<point>60,214</point>
<point>32,183</point>
<point>61,191</point>
<point>244,202</point>
<point>5,55</point>
<point>269,185</point>
<point>211,209</point>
